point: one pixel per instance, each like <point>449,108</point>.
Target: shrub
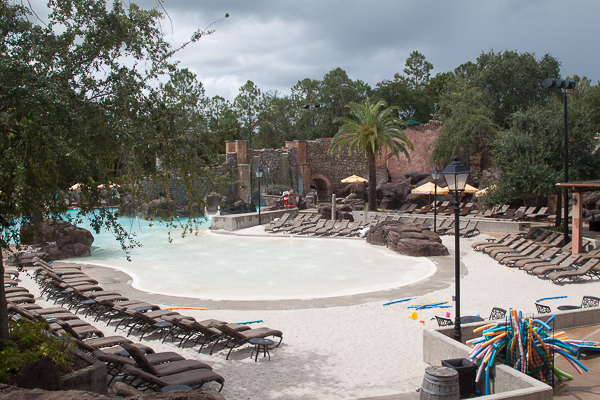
<point>28,342</point>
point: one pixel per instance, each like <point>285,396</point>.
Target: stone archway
<point>323,187</point>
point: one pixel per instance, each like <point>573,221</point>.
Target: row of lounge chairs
<point>305,224</point>
<point>74,292</point>
<point>540,253</point>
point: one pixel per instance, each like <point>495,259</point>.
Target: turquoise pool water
<point>225,267</point>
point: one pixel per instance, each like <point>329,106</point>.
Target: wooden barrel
<point>440,383</point>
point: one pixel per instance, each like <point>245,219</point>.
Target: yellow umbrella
<point>354,179</point>
<point>429,188</point>
<point>483,192</point>
<point>470,189</point>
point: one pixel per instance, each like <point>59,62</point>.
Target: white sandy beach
<point>364,350</point>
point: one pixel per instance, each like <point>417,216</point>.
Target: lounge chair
<point>489,246</point>
<point>351,229</point>
<point>470,230</point>
<point>524,214</point>
<point>451,231</point>
<point>541,213</point>
<point>194,378</point>
<point>410,209</point>
<point>325,229</point>
<point>343,225</point>
<point>294,225</point>
<point>497,313</point>
<point>443,321</point>
<point>542,309</point>
<point>546,256</point>
<point>502,211</point>
<point>586,302</point>
<point>443,207</point>
<point>314,228</point>
<point>500,240</point>
<point>277,224</point>
<point>466,210</point>
<point>424,210</point>
<point>553,240</point>
<point>108,344</point>
<point>233,338</point>
<point>529,251</point>
<point>529,266</point>
<point>164,367</point>
<point>586,269</point>
<point>202,332</point>
<point>493,250</point>
<point>403,208</point>
<point>544,269</point>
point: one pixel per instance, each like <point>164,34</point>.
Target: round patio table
<point>261,344</point>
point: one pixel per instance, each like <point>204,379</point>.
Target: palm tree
<point>374,129</point>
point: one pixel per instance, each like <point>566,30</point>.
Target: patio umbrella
<point>483,192</point>
<point>429,188</point>
<point>470,189</point>
<point>354,179</point>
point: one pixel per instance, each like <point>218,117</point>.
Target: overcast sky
<point>277,43</point>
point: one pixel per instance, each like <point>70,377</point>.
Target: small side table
<point>566,308</point>
<point>172,388</point>
<point>261,344</point>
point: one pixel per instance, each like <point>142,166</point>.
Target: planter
<point>90,379</point>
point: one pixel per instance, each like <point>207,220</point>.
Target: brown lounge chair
<point>343,225</point>
<point>529,251</point>
<point>163,367</point>
<point>544,269</point>
<point>235,338</point>
<point>587,269</point>
<point>194,378</point>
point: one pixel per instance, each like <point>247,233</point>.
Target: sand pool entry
<point>225,267</point>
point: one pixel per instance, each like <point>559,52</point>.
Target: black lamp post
<point>307,107</point>
<point>564,84</point>
<point>259,174</point>
<point>456,175</point>
<point>436,174</point>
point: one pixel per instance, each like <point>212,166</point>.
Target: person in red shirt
<point>285,196</point>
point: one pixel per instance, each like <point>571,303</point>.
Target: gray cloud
<point>277,43</point>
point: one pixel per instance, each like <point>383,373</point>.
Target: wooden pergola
<point>578,188</point>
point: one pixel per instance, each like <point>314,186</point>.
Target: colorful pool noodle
<point>530,344</point>
<point>550,298</point>
<point>399,301</point>
<point>249,322</point>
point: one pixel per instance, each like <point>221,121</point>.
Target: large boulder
<point>55,240</point>
<point>408,239</point>
<point>393,194</point>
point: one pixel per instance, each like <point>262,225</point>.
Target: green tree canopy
<point>81,104</point>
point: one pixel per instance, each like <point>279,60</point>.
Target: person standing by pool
<point>285,196</point>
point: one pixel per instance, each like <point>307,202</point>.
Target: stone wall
<point>422,138</point>
<point>301,162</point>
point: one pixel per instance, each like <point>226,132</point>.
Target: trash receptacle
<point>467,371</point>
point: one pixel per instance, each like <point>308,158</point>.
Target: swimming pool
<point>225,267</point>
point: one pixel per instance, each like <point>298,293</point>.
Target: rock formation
<point>408,239</point>
<point>55,240</point>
